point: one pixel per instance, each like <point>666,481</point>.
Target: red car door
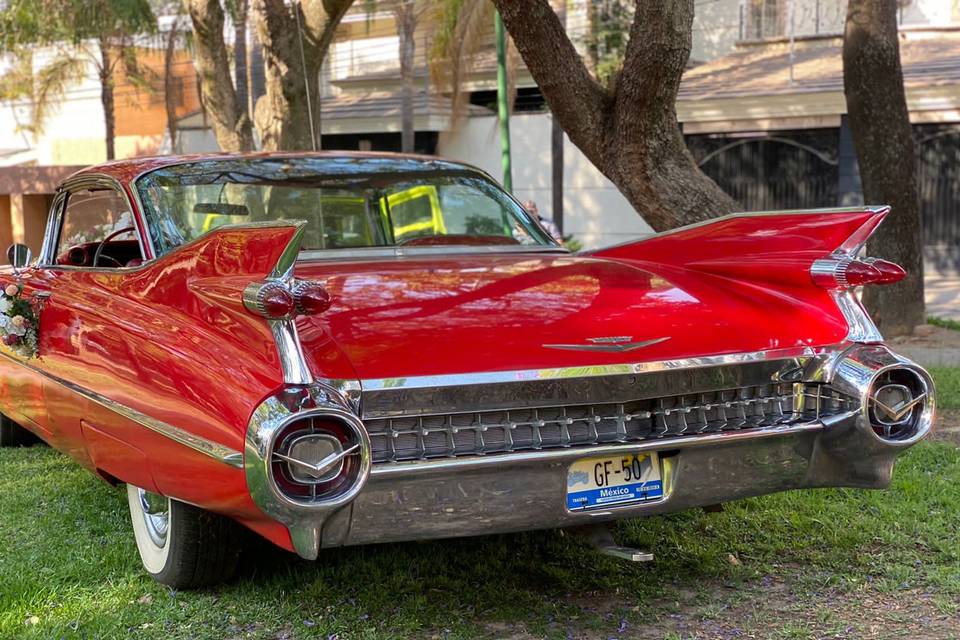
<point>77,276</point>
<point>21,382</point>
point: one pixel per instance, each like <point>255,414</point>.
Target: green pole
<point>503,102</point>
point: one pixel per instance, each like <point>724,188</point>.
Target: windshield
<point>346,202</point>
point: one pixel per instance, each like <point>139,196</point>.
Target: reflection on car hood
<point>455,314</point>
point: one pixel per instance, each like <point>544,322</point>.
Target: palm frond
<point>50,83</point>
<point>464,23</point>
<point>16,83</point>
<point>142,78</point>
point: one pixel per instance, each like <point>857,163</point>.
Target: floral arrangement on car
<point>19,320</point>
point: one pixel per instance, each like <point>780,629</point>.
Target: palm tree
<point>408,16</point>
<point>42,88</point>
<point>98,34</point>
<point>462,28</point>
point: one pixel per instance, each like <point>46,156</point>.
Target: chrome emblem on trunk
<point>608,343</point>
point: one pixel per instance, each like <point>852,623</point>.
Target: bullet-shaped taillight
<point>310,297</point>
<point>846,272</point>
<point>277,301</point>
<point>890,271</point>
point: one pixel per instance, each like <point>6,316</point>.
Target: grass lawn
<point>834,563</point>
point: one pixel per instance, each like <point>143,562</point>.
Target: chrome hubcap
<point>156,516</point>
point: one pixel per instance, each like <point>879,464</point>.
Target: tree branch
<point>656,56</point>
<point>629,131</point>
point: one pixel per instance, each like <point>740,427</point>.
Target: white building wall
<point>74,130</point>
<point>716,24</point>
<point>716,28</point>
<point>594,210</point>
<point>937,13</point>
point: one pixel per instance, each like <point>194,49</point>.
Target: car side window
<point>97,230</point>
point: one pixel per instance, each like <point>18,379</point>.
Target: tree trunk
<point>240,55</point>
<point>228,115</point>
<point>105,71</point>
<point>287,115</point>
<point>628,130</point>
<point>406,20</point>
<point>170,86</point>
<point>883,138</point>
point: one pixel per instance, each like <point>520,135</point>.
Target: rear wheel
<point>183,546</point>
<point>13,435</point>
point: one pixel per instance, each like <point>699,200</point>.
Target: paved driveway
<point>943,295</point>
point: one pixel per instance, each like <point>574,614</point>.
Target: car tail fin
<point>247,266</point>
<point>789,247</point>
<point>238,280</point>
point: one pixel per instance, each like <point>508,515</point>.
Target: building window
<point>763,19</point>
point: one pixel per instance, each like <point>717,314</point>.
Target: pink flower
<point>11,290</point>
<point>18,321</point>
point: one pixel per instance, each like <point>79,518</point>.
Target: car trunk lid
<point>398,317</point>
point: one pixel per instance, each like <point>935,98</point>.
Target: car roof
<point>127,170</point>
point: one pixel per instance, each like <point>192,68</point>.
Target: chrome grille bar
<point>474,433</point>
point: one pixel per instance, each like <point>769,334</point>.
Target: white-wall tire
<point>183,546</point>
<point>153,555</point>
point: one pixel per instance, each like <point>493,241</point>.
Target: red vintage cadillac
<point>342,349</point>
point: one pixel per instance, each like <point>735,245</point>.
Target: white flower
<point>18,321</point>
<point>5,305</point>
<point>17,331</point>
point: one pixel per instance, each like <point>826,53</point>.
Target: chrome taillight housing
<point>306,455</point>
<point>271,300</point>
<point>897,399</point>
<point>316,458</point>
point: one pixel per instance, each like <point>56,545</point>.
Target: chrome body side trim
<point>417,252</point>
<point>589,371</point>
<point>215,450</point>
<point>292,360</point>
<point>860,325</point>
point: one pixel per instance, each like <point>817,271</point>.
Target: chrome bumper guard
<point>854,446</point>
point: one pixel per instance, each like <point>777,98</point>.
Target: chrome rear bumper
<point>525,490</point>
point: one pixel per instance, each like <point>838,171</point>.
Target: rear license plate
<point>593,483</point>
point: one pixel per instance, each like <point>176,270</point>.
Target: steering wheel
<point>96,254</point>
